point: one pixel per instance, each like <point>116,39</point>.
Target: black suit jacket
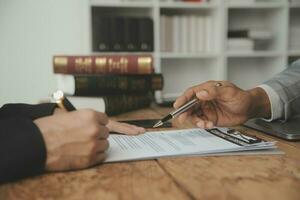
<point>22,148</point>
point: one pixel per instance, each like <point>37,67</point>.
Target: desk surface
<point>227,177</point>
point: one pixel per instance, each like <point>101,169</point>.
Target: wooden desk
<point>210,178</point>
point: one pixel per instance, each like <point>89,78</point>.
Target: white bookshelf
<point>184,5</point>
<point>247,69</point>
<point>256,5</point>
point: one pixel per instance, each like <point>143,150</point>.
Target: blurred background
<point>184,42</point>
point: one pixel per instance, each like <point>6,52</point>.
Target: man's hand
<point>224,105</point>
<point>115,126</point>
<point>74,140</point>
<point>124,128</point>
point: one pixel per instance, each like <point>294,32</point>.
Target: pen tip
<point>157,124</point>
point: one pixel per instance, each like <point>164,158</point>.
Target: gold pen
<point>176,112</point>
<point>62,101</point>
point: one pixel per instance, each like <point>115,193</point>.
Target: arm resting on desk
<point>25,110</point>
<point>22,149</point>
<point>287,87</point>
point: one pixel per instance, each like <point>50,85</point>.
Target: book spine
<point>185,30</point>
<point>100,33</point>
<point>129,64</point>
<point>193,34</point>
<point>116,84</point>
<point>169,34</point>
<point>208,23</point>
<point>117,34</point>
<point>116,104</point>
<point>162,28</point>
<point>146,34</point>
<point>177,34</point>
<point>201,37</point>
<point>131,34</point>
<point>238,34</point>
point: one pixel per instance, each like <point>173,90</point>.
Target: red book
<point>103,64</point>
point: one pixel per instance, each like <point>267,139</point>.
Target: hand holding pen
<point>62,102</point>
<point>176,112</point>
<point>183,106</point>
<point>76,139</point>
<point>221,103</point>
<point>212,104</point>
<point>73,140</point>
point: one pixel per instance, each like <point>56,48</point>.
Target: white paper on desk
<point>186,142</point>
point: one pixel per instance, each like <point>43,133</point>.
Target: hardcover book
<point>100,33</point>
<point>255,34</point>
<point>146,34</point>
<point>113,104</point>
<point>117,34</point>
<point>85,85</point>
<point>104,64</point>
<point>131,34</point>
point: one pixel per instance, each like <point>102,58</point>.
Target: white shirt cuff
<point>276,103</point>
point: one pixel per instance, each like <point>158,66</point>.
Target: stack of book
<point>248,39</point>
<point>186,33</point>
<point>119,33</point>
<point>108,83</point>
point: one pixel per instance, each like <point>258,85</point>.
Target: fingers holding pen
<point>182,117</point>
<point>205,93</point>
<point>187,95</point>
<point>207,124</point>
<point>202,121</point>
<point>195,110</point>
<point>209,93</point>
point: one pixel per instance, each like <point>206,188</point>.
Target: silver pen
<point>176,112</point>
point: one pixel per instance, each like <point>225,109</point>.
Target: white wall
<point>31,32</point>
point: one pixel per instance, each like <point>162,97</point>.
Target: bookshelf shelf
<point>294,31</point>
<point>125,4</point>
<point>217,63</point>
<point>181,5</point>
<point>188,55</point>
<point>294,53</point>
<point>257,5</point>
<point>295,5</point>
<point>253,54</point>
<point>122,53</point>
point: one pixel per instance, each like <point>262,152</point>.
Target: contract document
<point>186,142</point>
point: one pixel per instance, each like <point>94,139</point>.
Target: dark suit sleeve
<point>22,148</point>
<point>28,111</point>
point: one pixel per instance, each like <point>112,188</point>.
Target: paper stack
<point>186,142</point>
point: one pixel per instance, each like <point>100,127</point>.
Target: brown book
<point>94,85</point>
<point>113,104</point>
<point>103,64</point>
